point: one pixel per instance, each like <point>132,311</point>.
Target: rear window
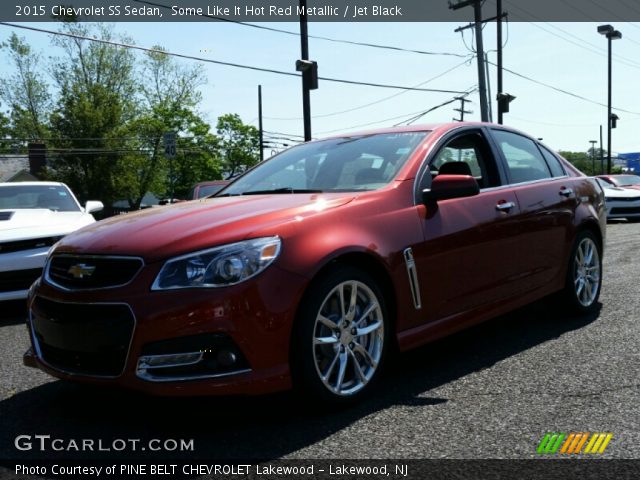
<point>524,160</point>
<point>557,170</point>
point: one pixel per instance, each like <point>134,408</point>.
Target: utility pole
<point>462,110</point>
<point>500,15</point>
<point>477,25</point>
<point>304,48</point>
<point>260,123</point>
<point>482,81</point>
<point>486,67</point>
<point>601,153</point>
<point>593,156</point>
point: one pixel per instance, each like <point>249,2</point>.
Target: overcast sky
<point>568,56</point>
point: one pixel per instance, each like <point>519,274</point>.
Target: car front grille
<point>33,243</point>
<point>78,272</point>
<point>88,339</point>
<point>625,210</point>
<point>624,199</point>
<point>18,279</point>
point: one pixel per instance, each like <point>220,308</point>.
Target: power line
<point>581,42</point>
<point>366,105</point>
<point>316,37</point>
<point>419,114</point>
<point>219,62</point>
<point>566,92</point>
<point>287,134</point>
<point>417,117</point>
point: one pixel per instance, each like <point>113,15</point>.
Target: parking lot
<point>490,392</point>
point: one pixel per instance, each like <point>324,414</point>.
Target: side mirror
<point>445,187</point>
<point>93,206</point>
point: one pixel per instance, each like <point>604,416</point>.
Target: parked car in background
<point>206,189</point>
<point>622,180</point>
<point>33,217</point>
<point>309,269</point>
<point>621,202</point>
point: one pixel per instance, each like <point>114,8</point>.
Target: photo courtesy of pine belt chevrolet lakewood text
<point>309,270</point>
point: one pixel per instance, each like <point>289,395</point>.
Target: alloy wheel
<point>586,272</point>
<point>348,338</point>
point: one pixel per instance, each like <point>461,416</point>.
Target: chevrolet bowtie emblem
<point>81,270</point>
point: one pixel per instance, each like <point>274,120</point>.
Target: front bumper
<point>255,317</point>
<point>618,209</point>
<point>18,270</point>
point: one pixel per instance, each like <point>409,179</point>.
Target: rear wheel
<point>584,275</point>
<point>341,337</point>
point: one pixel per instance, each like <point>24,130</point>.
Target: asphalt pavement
<point>489,392</point>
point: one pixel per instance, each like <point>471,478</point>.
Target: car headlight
<point>218,267</point>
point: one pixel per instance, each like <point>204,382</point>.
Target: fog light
<point>171,360</point>
<point>226,358</point>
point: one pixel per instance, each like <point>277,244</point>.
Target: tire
<point>337,354</point>
<point>584,274</point>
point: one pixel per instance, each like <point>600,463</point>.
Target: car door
<point>467,257</point>
<point>547,200</point>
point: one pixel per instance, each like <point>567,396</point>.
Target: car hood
<point>621,192</point>
<point>23,224</point>
<point>163,232</point>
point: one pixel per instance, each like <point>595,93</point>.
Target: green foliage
<point>5,132</point>
<point>84,131</point>
<point>25,93</point>
<point>240,144</point>
<point>105,113</point>
<point>585,161</point>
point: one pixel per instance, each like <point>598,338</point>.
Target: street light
<point>611,34</point>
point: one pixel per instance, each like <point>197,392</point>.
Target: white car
<point>621,202</point>
<point>34,216</point>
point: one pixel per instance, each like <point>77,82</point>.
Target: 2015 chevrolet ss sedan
<point>311,267</point>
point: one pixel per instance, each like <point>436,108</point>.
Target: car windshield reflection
<point>360,163</point>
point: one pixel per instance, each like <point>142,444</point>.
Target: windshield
<point>358,163</point>
<point>206,190</point>
<point>627,180</point>
<point>51,197</point>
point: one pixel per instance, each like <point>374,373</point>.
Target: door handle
<point>505,206</point>
<point>566,192</point>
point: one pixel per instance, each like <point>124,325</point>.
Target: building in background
<point>631,162</point>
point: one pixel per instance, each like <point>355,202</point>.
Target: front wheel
<point>341,337</point>
<point>584,275</point>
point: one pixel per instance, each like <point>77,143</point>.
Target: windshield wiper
<point>280,190</point>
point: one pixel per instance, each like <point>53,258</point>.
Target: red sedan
<point>309,268</point>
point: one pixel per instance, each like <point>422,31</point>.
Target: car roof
<point>424,128</point>
<point>33,184</point>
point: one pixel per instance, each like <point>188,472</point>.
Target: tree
<point>5,132</point>
<point>583,161</point>
<point>239,144</point>
<point>96,97</point>
<point>26,93</point>
<point>169,97</point>
<point>85,152</point>
<point>104,117</point>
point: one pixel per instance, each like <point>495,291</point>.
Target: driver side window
<point>466,154</point>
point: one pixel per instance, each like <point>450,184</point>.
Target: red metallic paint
<point>473,261</point>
